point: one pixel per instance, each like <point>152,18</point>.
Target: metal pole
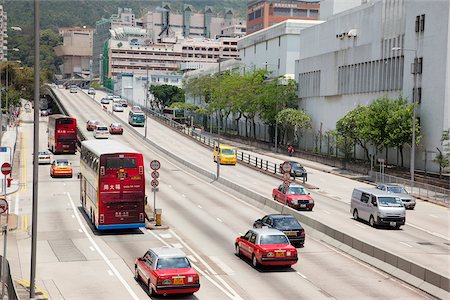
<point>6,104</point>
<point>146,101</point>
<point>5,240</point>
<point>413,142</point>
<point>35,149</point>
<point>154,204</point>
<point>1,110</point>
<point>218,127</point>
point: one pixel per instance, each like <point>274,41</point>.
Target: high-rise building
<point>265,13</point>
<point>3,34</point>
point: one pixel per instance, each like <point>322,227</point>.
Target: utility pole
<point>146,101</point>
<point>218,125</point>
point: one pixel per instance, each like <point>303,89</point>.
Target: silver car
<point>408,200</point>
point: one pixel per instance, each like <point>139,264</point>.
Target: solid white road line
<point>177,245</point>
<point>92,248</point>
<point>227,270</point>
<point>301,275</point>
<point>192,258</point>
<point>219,219</point>
<point>408,245</point>
<point>165,235</point>
<point>73,216</point>
<point>429,232</point>
<point>433,216</point>
<point>80,230</point>
<point>94,244</point>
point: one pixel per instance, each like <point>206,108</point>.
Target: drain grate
<point>425,243</point>
<point>65,250</point>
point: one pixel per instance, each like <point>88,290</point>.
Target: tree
<point>167,94</point>
<point>443,156</point>
<point>293,119</point>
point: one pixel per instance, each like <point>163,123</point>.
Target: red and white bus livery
<point>112,185</point>
<point>62,134</point>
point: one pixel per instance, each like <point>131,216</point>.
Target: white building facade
<point>349,60</point>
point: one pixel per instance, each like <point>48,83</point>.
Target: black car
<point>297,170</point>
<point>285,223</point>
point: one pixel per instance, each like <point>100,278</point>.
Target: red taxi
<point>295,196</point>
<point>91,125</point>
<point>166,271</point>
<point>266,247</point>
<point>115,128</point>
<point>61,168</point>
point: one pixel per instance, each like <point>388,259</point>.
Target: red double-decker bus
<point>62,134</point>
<point>112,185</point>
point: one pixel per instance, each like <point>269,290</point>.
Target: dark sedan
<point>285,223</point>
<point>297,170</point>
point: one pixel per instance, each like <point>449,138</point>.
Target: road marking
<point>429,232</point>
<point>361,226</point>
<point>73,216</point>
<point>199,206</point>
<point>80,230</point>
<point>110,273</point>
<point>183,195</point>
<point>327,212</point>
<point>227,270</point>
<point>408,245</point>
<point>192,258</point>
<point>92,248</point>
<point>169,186</point>
<point>204,273</point>
<point>433,216</point>
<point>108,262</point>
<point>240,234</point>
<point>165,235</point>
<point>301,275</point>
<point>177,245</point>
<point>219,219</point>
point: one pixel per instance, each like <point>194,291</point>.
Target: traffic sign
<point>154,183</point>
<point>6,169</point>
<point>286,184</point>
<point>155,174</point>
<point>3,205</point>
<point>155,164</point>
<point>286,167</point>
<point>286,176</point>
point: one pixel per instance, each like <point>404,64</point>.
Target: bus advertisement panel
<point>62,134</point>
<point>112,185</point>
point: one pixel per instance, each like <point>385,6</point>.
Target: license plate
<point>178,281</point>
<point>302,205</point>
<point>290,233</point>
<point>392,224</point>
<point>279,254</point>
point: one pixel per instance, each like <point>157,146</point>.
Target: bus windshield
<point>138,117</point>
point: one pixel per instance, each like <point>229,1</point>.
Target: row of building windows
<point>309,84</point>
<point>255,14</point>
<point>372,76</point>
<point>295,12</point>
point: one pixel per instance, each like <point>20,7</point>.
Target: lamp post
<point>146,101</point>
<point>218,121</point>
<point>415,72</point>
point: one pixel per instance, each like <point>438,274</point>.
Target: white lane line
<point>222,265</point>
<point>177,245</point>
<point>94,244</point>
<point>80,230</point>
<point>16,205</point>
<point>240,234</point>
<point>183,195</point>
<point>226,285</point>
<point>199,206</point>
<point>433,216</point>
<point>219,219</point>
<point>327,212</point>
<point>408,245</point>
<point>110,273</point>
<point>92,248</point>
<point>361,226</point>
<point>192,258</point>
<point>301,275</point>
<point>165,235</point>
<point>204,273</point>
<point>429,232</point>
<point>73,216</point>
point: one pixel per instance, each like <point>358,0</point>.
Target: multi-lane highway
<point>76,262</point>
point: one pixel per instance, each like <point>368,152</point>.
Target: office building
<point>3,34</point>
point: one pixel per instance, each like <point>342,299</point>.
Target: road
<point>76,262</point>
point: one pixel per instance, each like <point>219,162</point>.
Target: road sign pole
<point>154,204</point>
<point>5,239</point>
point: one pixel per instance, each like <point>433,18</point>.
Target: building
<point>275,48</point>
<point>123,18</point>
<point>165,25</point>
<point>329,8</point>
<point>350,60</point>
<point>76,51</point>
<point>265,13</point>
<point>3,34</point>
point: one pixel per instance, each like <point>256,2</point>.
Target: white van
<point>377,207</point>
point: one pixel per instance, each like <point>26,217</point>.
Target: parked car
<point>61,168</point>
<point>91,125</point>
<point>266,246</point>
<point>101,132</point>
<point>166,271</point>
<point>104,101</point>
<point>288,224</point>
<point>91,91</point>
<point>117,107</point>
<point>44,157</point>
<point>115,128</point>
<point>297,170</point>
<point>377,207</point>
<point>408,200</point>
<point>295,196</point>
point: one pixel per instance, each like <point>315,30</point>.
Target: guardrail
<point>429,191</point>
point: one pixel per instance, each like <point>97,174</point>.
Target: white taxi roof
<point>168,252</point>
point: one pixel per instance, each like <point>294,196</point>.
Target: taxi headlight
<point>311,201</point>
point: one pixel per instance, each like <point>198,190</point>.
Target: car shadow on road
<point>267,269</point>
<point>97,232</point>
<point>386,227</point>
<point>174,296</point>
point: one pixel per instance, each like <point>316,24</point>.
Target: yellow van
<point>226,153</point>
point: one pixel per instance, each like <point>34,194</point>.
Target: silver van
<point>377,207</point>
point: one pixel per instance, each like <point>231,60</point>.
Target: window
<point>266,45</point>
<point>121,163</point>
<point>252,238</point>
<point>279,41</point>
<point>248,235</point>
<point>365,197</point>
<point>420,23</point>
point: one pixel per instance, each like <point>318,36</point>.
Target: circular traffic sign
<point>154,183</point>
<point>155,174</point>
<point>3,205</point>
<point>286,176</point>
<point>6,168</point>
<point>286,167</point>
<point>155,164</point>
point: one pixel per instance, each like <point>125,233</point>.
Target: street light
<point>415,72</point>
<point>276,108</point>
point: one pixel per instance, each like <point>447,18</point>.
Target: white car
<point>104,101</point>
<point>91,91</point>
<point>110,97</point>
<point>44,157</point>
<point>117,107</point>
<point>101,132</point>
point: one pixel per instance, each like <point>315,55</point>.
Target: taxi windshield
<point>173,263</point>
<point>273,239</point>
<point>227,151</point>
<point>390,201</point>
<point>62,163</point>
<point>296,190</point>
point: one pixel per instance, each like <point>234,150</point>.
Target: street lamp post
<point>415,72</point>
<point>218,123</point>
<point>146,101</point>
